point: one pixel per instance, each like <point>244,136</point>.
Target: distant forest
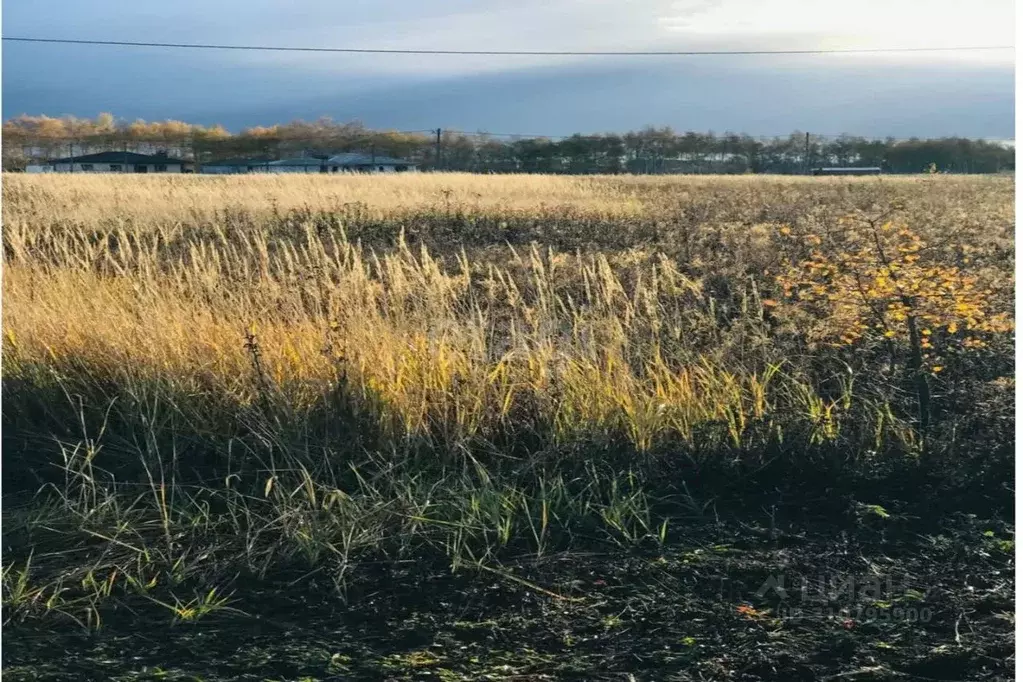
<point>650,150</point>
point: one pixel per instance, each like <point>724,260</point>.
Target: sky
<point>901,95</point>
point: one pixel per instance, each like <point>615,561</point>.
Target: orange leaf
<point>748,611</point>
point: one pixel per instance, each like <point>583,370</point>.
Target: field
<point>446,426</point>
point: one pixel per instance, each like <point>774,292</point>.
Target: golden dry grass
<point>158,280</point>
<point>174,198</point>
<point>169,199</point>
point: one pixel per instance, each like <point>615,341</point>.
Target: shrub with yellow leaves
<point>873,280</point>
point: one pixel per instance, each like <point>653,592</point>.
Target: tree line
<point>650,150</point>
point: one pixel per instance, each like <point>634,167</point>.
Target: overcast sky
<point>927,94</point>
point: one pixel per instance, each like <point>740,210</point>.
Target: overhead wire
<point>542,53</point>
<point>375,134</point>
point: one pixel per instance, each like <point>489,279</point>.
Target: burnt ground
<point>878,598</point>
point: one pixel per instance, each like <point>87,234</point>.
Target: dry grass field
<point>222,395</point>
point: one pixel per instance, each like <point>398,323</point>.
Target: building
<point>301,164</point>
<point>236,166</point>
<point>863,170</point>
<point>112,162</point>
<point>367,163</point>
<point>340,163</point>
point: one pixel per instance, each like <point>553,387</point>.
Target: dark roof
<point>119,157</point>
<point>348,159</point>
<point>238,162</point>
<point>302,161</point>
<point>355,159</point>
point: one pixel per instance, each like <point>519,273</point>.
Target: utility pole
<point>806,155</point>
<point>71,157</point>
<point>437,156</point>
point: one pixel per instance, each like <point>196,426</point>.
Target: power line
<point>372,135</point>
<point>549,53</point>
<point>778,137</point>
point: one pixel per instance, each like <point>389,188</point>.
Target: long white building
<point>339,163</point>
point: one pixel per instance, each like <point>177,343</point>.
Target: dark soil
<point>875,598</point>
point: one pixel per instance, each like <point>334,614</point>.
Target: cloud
<point>870,94</point>
<point>622,96</point>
